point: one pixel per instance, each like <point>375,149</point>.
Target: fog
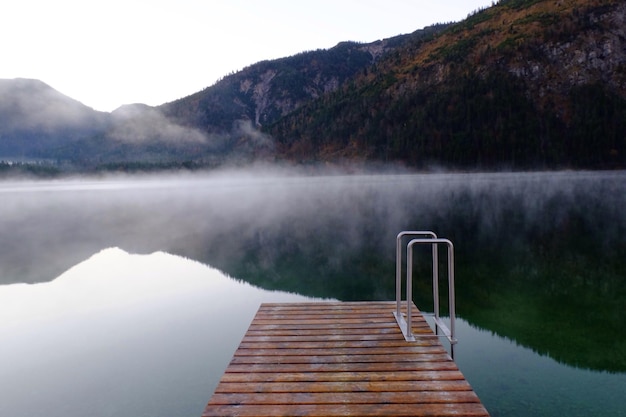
<point>220,218</point>
<point>141,124</point>
<point>32,105</point>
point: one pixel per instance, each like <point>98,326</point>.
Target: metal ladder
<point>424,238</point>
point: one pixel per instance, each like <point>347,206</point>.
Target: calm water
<point>111,303</point>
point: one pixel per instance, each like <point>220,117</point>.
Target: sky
<point>114,52</point>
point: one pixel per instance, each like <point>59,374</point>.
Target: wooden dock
<point>340,359</point>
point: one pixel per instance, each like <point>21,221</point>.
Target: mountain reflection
<point>122,334</point>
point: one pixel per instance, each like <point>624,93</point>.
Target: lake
<point>126,296</point>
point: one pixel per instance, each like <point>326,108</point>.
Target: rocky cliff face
<point>264,92</point>
<point>594,54</point>
<point>550,46</point>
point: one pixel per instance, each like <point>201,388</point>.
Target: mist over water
<point>252,219</point>
<point>533,250</point>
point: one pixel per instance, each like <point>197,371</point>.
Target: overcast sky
<point>114,52</point>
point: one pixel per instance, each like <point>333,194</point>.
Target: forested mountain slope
<point>523,84</point>
<point>264,92</point>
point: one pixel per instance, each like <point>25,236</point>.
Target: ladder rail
<point>425,238</point>
<point>413,234</point>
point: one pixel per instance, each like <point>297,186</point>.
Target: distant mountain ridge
<point>216,125</point>
<point>266,91</point>
<point>524,84</point>
<point>35,118</point>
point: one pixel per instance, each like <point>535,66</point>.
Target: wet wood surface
<point>340,359</point>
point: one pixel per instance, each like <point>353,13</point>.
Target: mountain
<point>138,134</point>
<point>522,84</point>
<point>217,125</point>
<point>35,118</point>
<point>269,90</point>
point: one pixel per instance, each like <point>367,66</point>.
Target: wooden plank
<point>425,375</point>
<point>337,410</point>
<point>363,359</point>
<point>344,386</point>
<point>381,332</point>
<point>387,367</point>
<point>424,397</point>
<point>340,359</point>
<point>330,350</point>
<point>338,325</point>
<point>296,336</point>
<point>342,305</point>
<point>329,343</point>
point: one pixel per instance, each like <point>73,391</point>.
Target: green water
<point>512,380</point>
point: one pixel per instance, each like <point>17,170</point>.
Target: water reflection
<point>122,335</point>
<point>514,381</point>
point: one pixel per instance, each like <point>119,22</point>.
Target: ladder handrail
<point>432,239</point>
<point>412,233</point>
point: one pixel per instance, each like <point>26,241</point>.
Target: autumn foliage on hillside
<point>522,84</point>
